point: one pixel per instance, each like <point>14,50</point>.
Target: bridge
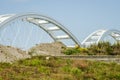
<point>17,30</point>
<point>99,36</point>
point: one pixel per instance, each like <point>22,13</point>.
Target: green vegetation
<point>102,48</point>
<point>40,68</point>
<point>70,51</point>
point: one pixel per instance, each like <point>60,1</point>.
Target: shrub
<point>109,51</point>
<point>66,69</point>
<point>115,76</point>
<point>102,48</point>
<point>4,65</point>
<point>83,50</point>
<point>51,63</point>
<point>44,70</point>
<point>116,48</point>
<point>71,51</point>
<point>81,64</point>
<point>89,76</point>
<point>1,78</point>
<point>34,62</point>
<point>76,72</point>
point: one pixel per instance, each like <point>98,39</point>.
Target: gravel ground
<point>48,49</point>
<point>10,54</point>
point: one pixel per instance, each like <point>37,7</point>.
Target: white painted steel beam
<point>63,37</point>
<point>53,28</point>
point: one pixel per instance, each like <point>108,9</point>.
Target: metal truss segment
<point>99,35</point>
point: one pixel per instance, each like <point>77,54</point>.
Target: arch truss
<point>99,35</point>
<point>43,22</point>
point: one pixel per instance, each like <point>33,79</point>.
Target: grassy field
<point>52,68</point>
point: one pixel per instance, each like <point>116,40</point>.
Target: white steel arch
<point>99,35</point>
<point>39,20</point>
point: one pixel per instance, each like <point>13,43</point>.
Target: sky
<point>81,17</point>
